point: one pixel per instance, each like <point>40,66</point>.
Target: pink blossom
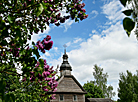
<point>84,10</point>
<point>45,74</point>
<point>48,79</point>
<point>48,37</point>
<point>55,90</point>
<point>45,89</point>
<point>48,45</point>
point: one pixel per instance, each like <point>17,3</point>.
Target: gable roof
<point>69,84</point>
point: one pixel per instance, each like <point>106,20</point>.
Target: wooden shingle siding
<point>69,98</point>
<point>68,85</point>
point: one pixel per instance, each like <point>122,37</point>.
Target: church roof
<point>69,84</point>
<point>65,65</point>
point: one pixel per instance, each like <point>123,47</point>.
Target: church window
<point>61,98</point>
<point>75,97</point>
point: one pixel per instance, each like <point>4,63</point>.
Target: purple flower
<point>53,96</point>
<point>55,84</point>
<point>55,90</point>
<point>25,4</point>
<point>45,74</point>
<point>50,17</point>
<point>24,79</point>
<point>37,64</point>
<point>48,79</point>
<point>32,73</point>
<point>32,78</point>
<point>44,62</point>
<point>48,45</point>
<point>46,67</point>
<point>82,5</point>
<point>44,88</point>
<point>40,77</point>
<point>16,52</point>
<point>75,1</point>
<point>51,9</point>
<point>27,48</point>
<point>84,10</point>
<point>80,14</point>
<point>40,45</point>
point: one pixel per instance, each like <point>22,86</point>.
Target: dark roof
<point>65,65</point>
<point>100,100</point>
<point>69,84</point>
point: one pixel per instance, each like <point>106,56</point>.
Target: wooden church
<point>69,89</point>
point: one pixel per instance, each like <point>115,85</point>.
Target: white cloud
<point>77,40</point>
<point>93,1</point>
<point>68,24</point>
<point>94,14</point>
<point>47,53</point>
<point>113,10</point>
<point>47,30</point>
<point>55,48</point>
<point>114,52</point>
<point>68,44</point>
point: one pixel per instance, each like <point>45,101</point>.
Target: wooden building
<point>69,89</point>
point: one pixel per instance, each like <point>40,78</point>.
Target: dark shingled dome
<point>65,65</point>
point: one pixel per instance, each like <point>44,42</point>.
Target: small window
<point>75,97</point>
<point>61,97</point>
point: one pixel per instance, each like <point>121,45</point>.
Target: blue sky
<point>99,39</point>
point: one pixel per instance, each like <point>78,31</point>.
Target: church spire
<point>65,68</point>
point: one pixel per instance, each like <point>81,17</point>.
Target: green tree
<point>19,20</point>
<point>93,91</point>
<point>131,12</point>
<point>128,85</point>
<point>101,81</point>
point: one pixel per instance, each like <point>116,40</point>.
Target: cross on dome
<point>65,46</point>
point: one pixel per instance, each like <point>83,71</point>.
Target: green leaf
<point>39,9</point>
<point>123,2</point>
<point>4,42</point>
<point>128,25</point>
<point>9,19</point>
<point>10,97</point>
<point>35,51</point>
<point>18,32</point>
<point>41,62</point>
<point>128,12</point>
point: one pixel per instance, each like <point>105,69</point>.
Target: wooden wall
<point>69,98</point>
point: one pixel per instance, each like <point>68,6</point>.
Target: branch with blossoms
<point>19,20</point>
<point>42,75</point>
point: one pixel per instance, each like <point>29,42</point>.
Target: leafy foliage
<point>132,11</point>
<point>128,85</point>
<point>128,25</point>
<point>101,81</point>
<point>19,20</point>
<point>93,91</point>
